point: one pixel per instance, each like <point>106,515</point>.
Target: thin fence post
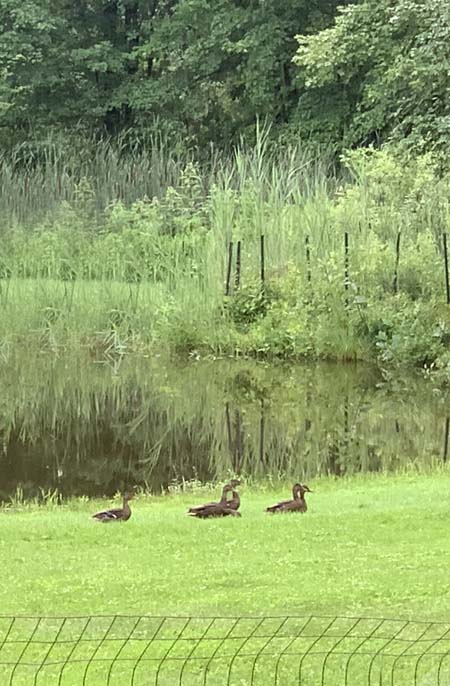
<point>308,422</point>
<point>228,423</point>
<point>262,423</point>
<point>397,261</point>
<point>238,444</point>
<point>346,270</point>
<point>230,259</point>
<point>263,276</point>
<point>447,285</point>
<point>308,260</point>
<point>346,422</point>
<point>237,278</point>
<point>446,432</point>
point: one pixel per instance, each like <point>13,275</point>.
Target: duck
<point>213,510</point>
<point>223,508</point>
<point>228,488</point>
<point>118,514</point>
<point>297,504</point>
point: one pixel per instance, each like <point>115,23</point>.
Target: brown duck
<point>118,514</point>
<point>297,504</point>
<point>228,488</point>
<point>223,508</point>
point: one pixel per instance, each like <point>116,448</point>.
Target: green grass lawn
<point>368,546</point>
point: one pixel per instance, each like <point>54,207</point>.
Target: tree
<point>25,46</point>
<point>216,65</point>
<point>381,73</point>
<point>59,63</point>
<point>204,69</point>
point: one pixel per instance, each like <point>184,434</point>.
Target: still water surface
<point>92,427</point>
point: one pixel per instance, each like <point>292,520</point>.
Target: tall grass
<point>37,178</point>
<point>136,241</point>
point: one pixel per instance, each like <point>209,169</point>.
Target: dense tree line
<point>347,72</point>
<point>380,73</point>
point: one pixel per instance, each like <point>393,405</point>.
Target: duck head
<point>299,490</point>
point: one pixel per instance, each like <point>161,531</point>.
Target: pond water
<point>89,427</point>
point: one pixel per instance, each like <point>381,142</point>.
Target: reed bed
<point>135,243</point>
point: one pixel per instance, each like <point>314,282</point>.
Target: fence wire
<point>231,651</point>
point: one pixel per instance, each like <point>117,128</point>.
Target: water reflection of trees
<point>76,426</point>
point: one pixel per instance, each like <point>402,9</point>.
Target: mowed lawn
<point>367,546</point>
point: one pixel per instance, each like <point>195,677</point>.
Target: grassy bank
<point>374,545</point>
<point>151,273</point>
<point>116,318</point>
<point>368,547</point>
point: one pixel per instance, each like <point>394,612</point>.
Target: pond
<point>84,426</point>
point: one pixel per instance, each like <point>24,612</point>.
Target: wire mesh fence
<point>231,651</point>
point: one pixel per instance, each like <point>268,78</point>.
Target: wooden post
<point>308,259</point>
<point>230,259</point>
<point>447,285</point>
<point>397,261</point>
<point>238,435</point>
<point>308,422</point>
<point>237,278</point>
<point>262,423</point>
<point>346,275</point>
<point>447,427</point>
<point>228,423</point>
<point>262,264</point>
<point>346,423</point>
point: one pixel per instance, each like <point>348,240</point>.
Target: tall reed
<point>136,239</point>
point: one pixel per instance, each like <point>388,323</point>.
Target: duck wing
<point>279,507</point>
<point>214,510</point>
<point>296,505</point>
<point>113,515</point>
<point>198,508</point>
